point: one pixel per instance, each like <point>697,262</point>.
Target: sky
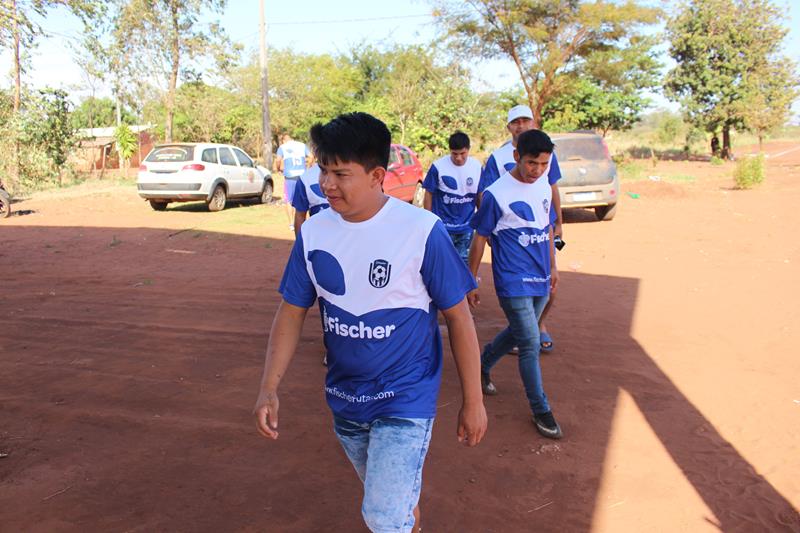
<point>317,26</point>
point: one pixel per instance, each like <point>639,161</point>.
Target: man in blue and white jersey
<point>291,159</point>
<point>450,188</point>
<point>520,120</point>
<point>380,270</point>
<point>517,215</point>
<point>308,197</point>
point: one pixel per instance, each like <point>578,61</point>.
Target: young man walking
<point>291,159</point>
<point>379,291</point>
<point>520,120</point>
<point>517,215</point>
<point>450,189</point>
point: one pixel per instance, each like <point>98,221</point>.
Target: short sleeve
<point>306,150</point>
<point>431,182</point>
<point>488,215</point>
<point>300,200</point>
<point>296,285</point>
<point>280,151</point>
<point>555,171</point>
<point>488,175</point>
<point>444,273</point>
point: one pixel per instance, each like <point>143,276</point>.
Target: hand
<point>266,411</point>
<point>558,231</point>
<point>472,422</point>
<point>473,298</point>
<point>553,280</point>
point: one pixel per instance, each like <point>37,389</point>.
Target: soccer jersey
<point>453,191</point>
<point>308,195</point>
<point>294,155</point>
<point>502,161</point>
<point>379,285</point>
<point>516,217</point>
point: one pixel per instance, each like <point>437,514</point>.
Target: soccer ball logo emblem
<point>379,272</point>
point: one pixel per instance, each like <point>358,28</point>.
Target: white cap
<point>519,111</point>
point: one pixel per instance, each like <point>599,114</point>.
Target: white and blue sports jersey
<point>502,161</point>
<point>294,155</point>
<point>308,195</point>
<point>516,217</point>
<point>379,285</point>
<point>453,190</point>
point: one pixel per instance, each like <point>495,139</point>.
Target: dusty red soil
<point>132,345</point>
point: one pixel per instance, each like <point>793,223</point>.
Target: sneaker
<point>514,350</point>
<point>487,386</point>
<point>547,426</point>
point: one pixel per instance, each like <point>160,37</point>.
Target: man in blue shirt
<point>308,197</point>
<point>450,188</point>
<point>291,159</point>
<point>516,213</point>
<point>520,120</point>
<point>380,271</point>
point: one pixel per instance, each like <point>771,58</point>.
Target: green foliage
<point>99,113</point>
<point>46,124</point>
<point>749,172</point>
<point>716,161</point>
<point>631,170</point>
<point>126,141</point>
<point>668,129</point>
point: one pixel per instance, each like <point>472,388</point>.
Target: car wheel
<point>218,199</point>
<point>266,194</point>
<point>605,212</point>
<point>158,205</point>
<point>419,196</point>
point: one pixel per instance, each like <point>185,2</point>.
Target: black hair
<point>533,143</point>
<point>458,141</point>
<point>352,138</point>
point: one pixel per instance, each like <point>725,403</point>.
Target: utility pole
<point>266,129</point>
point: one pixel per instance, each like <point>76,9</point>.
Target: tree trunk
<point>760,143</point>
<point>14,170</point>
<point>175,52</point>
<point>727,154</point>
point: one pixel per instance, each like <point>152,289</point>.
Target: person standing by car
<point>520,120</point>
<point>517,214</point>
<point>450,189</point>
<point>379,293</point>
<point>291,159</point>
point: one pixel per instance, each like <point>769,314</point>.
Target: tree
<point>126,142</point>
<point>161,35</point>
<point>101,112</point>
<point>546,39</point>
<point>725,50</point>
<point>45,126</point>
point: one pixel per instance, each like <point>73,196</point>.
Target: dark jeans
<point>523,315</point>
<point>462,242</point>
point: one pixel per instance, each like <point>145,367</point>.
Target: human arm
<point>553,176</point>
<point>299,218</point>
<point>472,420</point>
<point>427,202</point>
<point>283,338</point>
<point>553,267</point>
<point>475,256</point>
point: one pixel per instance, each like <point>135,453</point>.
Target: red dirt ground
<point>132,345</point>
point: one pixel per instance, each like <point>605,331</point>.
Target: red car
<point>404,176</point>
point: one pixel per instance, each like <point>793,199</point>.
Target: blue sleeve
<point>444,273</point>
<point>553,216</point>
<point>487,217</point>
<point>280,151</point>
<point>296,285</point>
<point>300,200</point>
<point>488,175</point>
<point>555,171</point>
<point>431,182</point>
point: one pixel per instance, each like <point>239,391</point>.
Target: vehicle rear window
<point>171,154</point>
<point>589,148</point>
<point>210,155</point>
<point>393,156</point>
<point>226,158</point>
<point>406,157</point>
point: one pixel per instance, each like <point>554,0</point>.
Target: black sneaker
<point>487,386</point>
<point>547,426</point>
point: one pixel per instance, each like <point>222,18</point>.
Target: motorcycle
<point>5,202</point>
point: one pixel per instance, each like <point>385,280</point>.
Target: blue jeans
<point>462,241</point>
<point>523,315</point>
<point>388,454</point>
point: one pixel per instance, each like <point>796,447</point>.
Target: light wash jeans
<point>523,315</point>
<point>388,454</point>
<point>462,241</point>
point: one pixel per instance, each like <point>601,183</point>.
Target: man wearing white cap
<point>520,120</point>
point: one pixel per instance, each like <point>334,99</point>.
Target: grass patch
<point>631,170</point>
<point>749,172</point>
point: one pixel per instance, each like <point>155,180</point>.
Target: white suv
<point>183,172</point>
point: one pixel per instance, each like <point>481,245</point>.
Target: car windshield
<point>171,154</point>
<point>574,148</point>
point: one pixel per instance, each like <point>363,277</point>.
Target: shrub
<point>716,161</point>
<point>749,172</point>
